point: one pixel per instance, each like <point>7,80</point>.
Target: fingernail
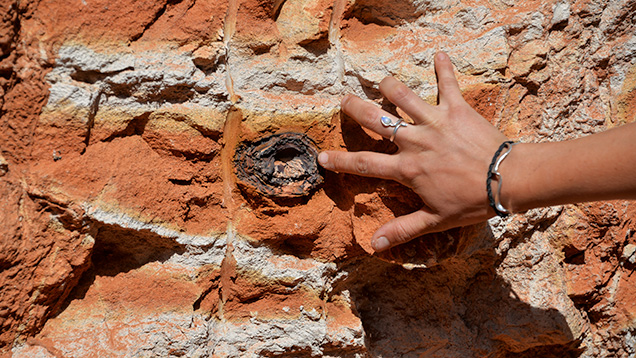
<point>442,56</point>
<point>380,244</point>
<point>323,158</point>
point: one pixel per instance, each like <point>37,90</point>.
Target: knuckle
<point>447,79</point>
<point>361,164</point>
<point>455,108</point>
<point>408,171</point>
<point>401,232</point>
<point>336,161</point>
<point>370,112</point>
<point>459,110</point>
<point>401,92</point>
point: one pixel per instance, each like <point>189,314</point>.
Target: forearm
<point>597,167</point>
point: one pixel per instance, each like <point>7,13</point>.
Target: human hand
<point>443,157</point>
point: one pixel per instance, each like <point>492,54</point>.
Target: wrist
<point>514,177</point>
<point>494,176</point>
<point>530,175</point>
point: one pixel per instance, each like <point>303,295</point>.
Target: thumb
<point>403,229</point>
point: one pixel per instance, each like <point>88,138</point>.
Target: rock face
<point>127,230</point>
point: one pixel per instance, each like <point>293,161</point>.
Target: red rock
<point>124,230</point>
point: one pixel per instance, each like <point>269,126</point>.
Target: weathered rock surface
<point>124,231</point>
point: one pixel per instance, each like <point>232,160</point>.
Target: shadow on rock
<point>119,250</point>
<point>459,308</point>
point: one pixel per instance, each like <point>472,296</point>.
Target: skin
<point>444,158</point>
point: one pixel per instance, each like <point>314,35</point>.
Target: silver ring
<point>388,122</point>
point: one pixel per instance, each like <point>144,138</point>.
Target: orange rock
<point>125,230</point>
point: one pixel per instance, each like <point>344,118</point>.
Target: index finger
<point>368,164</point>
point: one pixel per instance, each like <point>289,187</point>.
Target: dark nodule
<point>280,165</point>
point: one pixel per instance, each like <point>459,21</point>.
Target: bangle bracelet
<point>493,172</point>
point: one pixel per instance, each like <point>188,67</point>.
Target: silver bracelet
<point>493,173</point>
